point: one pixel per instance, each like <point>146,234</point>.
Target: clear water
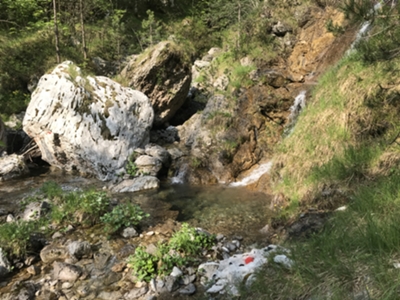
<point>218,209</point>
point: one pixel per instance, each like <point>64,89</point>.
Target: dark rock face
<point>164,75</point>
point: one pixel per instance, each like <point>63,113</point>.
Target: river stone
<point>109,295</point>
<point>101,259</point>
<point>52,253</point>
<point>137,184</point>
<point>12,166</point>
<point>164,75</point>
<point>136,293</point>
<point>66,272</point>
<point>190,289</point>
<point>129,232</point>
<point>79,249</point>
<point>89,124</point>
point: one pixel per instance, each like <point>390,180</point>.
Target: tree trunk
<point>56,31</point>
<point>83,31</point>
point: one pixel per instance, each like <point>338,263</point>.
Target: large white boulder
<point>89,124</point>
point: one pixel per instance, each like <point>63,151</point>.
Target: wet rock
<point>66,272</point>
<point>148,165</point>
<point>136,293</point>
<point>101,259</point>
<point>190,289</point>
<point>12,166</point>
<point>79,249</point>
<point>87,124</point>
<point>129,232</point>
<point>52,253</point>
<point>164,75</point>
<point>137,184</point>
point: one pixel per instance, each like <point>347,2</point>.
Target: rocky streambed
<point>77,261</point>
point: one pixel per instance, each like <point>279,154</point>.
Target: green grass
<point>354,251</point>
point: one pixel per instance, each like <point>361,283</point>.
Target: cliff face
<point>240,127</point>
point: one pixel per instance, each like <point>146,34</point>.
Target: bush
<point>190,241</point>
<point>123,215</point>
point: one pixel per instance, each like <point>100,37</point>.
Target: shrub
<point>123,215</point>
<point>190,241</point>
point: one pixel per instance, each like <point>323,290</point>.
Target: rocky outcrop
<point>163,74</point>
<point>12,166</point>
<point>89,124</point>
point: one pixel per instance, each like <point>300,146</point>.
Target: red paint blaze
<point>248,260</point>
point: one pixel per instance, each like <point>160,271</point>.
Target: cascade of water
<point>254,175</point>
<point>298,105</point>
<point>365,27</point>
<point>179,178</point>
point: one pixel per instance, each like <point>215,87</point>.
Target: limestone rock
<point>12,166</point>
<point>137,184</point>
<point>129,232</point>
<point>87,124</point>
<point>148,165</point>
<point>79,249</point>
<point>164,75</point>
<point>52,253</point>
<point>280,29</point>
<point>158,152</point>
<point>66,272</point>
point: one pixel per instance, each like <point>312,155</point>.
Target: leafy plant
<point>190,241</point>
<point>123,215</point>
<point>144,264</point>
<point>131,168</point>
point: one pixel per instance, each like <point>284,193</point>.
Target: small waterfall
<point>254,175</point>
<point>365,27</point>
<point>179,178</point>
<point>298,105</point>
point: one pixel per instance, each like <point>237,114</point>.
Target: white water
<point>366,26</point>
<point>298,106</point>
<point>180,176</point>
<point>254,175</point>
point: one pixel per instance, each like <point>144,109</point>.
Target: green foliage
<point>239,76</point>
<point>15,236</point>
<point>335,29</point>
<point>190,241</point>
<point>184,245</point>
<point>151,30</point>
<point>51,189</point>
<point>143,264</point>
<point>131,168</point>
<point>123,215</point>
<point>381,44</point>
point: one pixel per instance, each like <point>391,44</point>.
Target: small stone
<point>33,270</point>
<point>187,279</point>
<point>230,246</point>
<point>225,249</point>
<point>10,218</point>
<point>150,233</point>
<point>30,260</point>
<point>57,235</point>
<point>284,260</point>
<point>118,267</point>
<point>219,237</point>
<point>136,293</point>
<point>176,272</point>
<point>396,265</point>
<point>190,289</point>
<point>129,232</point>
<point>66,285</point>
